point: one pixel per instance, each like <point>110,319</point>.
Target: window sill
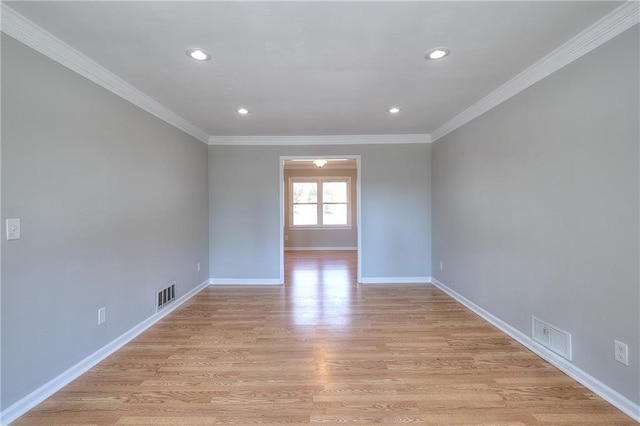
<point>320,228</point>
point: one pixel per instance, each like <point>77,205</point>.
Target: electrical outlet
<point>102,315</point>
<point>13,229</point>
<point>621,352</point>
<point>198,266</point>
<point>441,265</point>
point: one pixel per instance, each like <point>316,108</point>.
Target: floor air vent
<point>165,296</point>
<point>553,338</point>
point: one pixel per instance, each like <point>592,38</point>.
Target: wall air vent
<point>557,340</point>
<point>165,296</point>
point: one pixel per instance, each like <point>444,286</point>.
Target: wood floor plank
<point>323,349</point>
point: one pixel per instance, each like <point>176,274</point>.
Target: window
<point>320,202</point>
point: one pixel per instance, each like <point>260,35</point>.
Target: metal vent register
<point>557,340</point>
<point>165,296</point>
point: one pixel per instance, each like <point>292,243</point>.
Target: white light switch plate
<point>13,229</point>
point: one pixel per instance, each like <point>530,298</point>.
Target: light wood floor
<point>323,349</point>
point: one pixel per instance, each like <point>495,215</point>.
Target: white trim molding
<point>25,404</point>
<point>320,248</point>
<point>605,392</point>
<point>246,281</point>
<point>320,140</point>
<point>395,280</point>
<point>611,25</point>
<point>281,182</point>
<point>27,32</point>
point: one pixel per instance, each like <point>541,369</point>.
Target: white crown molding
<point>611,25</point>
<point>320,140</point>
<point>611,395</point>
<point>27,32</point>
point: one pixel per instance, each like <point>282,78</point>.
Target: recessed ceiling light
<point>394,110</point>
<point>243,111</point>
<point>198,54</point>
<point>437,53</point>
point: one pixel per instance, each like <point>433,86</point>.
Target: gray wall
<point>244,205</point>
<point>536,207</point>
<point>113,205</point>
<point>321,238</point>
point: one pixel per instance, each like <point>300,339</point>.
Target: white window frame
<point>319,180</point>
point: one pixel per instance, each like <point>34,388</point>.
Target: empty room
<point>238,212</point>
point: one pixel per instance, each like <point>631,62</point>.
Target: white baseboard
<point>320,248</point>
<point>20,407</point>
<point>25,404</point>
<point>395,280</point>
<point>245,281</point>
<point>605,392</point>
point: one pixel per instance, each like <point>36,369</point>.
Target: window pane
<point>305,192</point>
<point>334,192</point>
<point>334,214</point>
<point>305,214</point>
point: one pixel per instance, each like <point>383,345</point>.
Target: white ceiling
<point>315,68</point>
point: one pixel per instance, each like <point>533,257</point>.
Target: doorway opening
<point>320,205</point>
